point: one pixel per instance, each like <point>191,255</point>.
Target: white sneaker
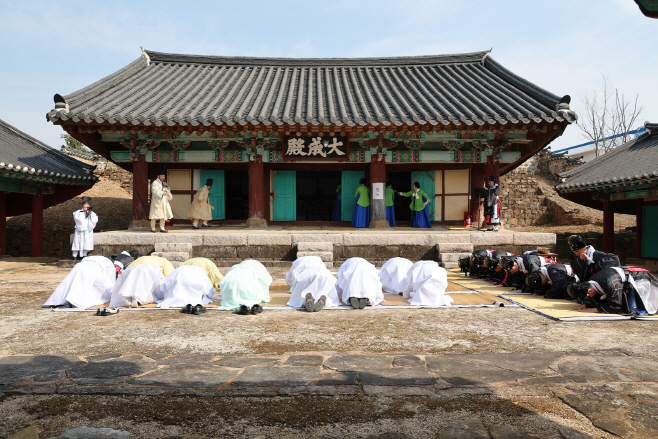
<point>497,228</point>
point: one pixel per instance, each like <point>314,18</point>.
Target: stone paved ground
<point>498,373</point>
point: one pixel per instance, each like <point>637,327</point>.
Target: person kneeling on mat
<point>618,290</point>
<point>552,281</point>
<point>358,283</point>
<point>518,267</point>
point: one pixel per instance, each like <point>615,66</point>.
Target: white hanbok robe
<point>300,265</point>
<point>315,280</point>
<point>394,275</point>
<point>187,285</point>
<point>160,199</point>
<point>426,285</point>
<point>263,276</point>
<point>359,278</point>
<point>143,282</point>
<point>242,285</point>
<point>83,236</point>
<point>88,284</point>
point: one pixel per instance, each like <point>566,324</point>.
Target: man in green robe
<point>418,206</point>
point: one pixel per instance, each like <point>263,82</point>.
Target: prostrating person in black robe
<point>552,281</point>
<point>477,263</point>
<point>617,290</point>
<point>518,267</point>
<point>124,259</point>
<point>495,272</point>
<point>585,261</point>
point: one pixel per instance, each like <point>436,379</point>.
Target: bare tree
<point>73,143</point>
<point>608,117</point>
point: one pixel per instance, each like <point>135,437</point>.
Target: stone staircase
<point>325,250</point>
<point>450,253</point>
<point>175,252</point>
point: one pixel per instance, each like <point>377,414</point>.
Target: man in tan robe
<point>201,210</point>
<point>160,198</point>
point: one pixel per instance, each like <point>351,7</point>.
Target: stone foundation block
<point>417,252</point>
<point>454,248</point>
<point>422,239</point>
<point>334,238</point>
<point>453,257</point>
<point>217,252</point>
<point>315,247</point>
<point>108,238</point>
<point>325,256</point>
<point>367,252</point>
<point>173,256</point>
<point>195,239</point>
<point>547,239</point>
<point>441,238</point>
<point>173,247</point>
<point>225,239</point>
<point>492,239</point>
<point>449,265</point>
<point>279,252</point>
<point>379,239</point>
<point>269,239</point>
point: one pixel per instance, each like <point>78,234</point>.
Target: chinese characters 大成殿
<point>315,148</point>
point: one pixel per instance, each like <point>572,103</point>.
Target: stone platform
<point>278,246</point>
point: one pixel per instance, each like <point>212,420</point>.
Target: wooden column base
<point>256,222</point>
<point>381,224</point>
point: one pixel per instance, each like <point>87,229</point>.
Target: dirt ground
<point>26,328</point>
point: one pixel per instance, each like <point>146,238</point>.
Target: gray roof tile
<point>18,149</point>
<point>634,160</point>
<point>169,89</point>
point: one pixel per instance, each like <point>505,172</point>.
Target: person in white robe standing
<point>187,285</point>
<point>358,283</point>
<point>426,285</point>
<point>138,285</point>
<point>394,275</point>
<point>83,236</point>
<point>88,284</point>
<point>160,199</point>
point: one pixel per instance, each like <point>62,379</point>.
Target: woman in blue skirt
<point>361,214</point>
<point>419,209</point>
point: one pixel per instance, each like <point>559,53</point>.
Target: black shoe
<point>363,302</point>
<point>243,310</point>
<point>187,309</point>
<point>320,303</point>
<point>198,310</point>
<point>354,301</point>
<point>256,309</point>
<point>308,302</point>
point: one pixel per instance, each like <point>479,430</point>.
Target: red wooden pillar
<point>608,227</point>
<point>37,225</point>
<point>256,194</point>
<point>477,181</point>
<point>378,206</point>
<point>3,223</point>
<point>639,208</point>
<point>140,189</point>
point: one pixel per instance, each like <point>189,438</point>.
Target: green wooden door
<point>349,182</point>
<point>649,232</point>
<point>217,192</point>
<point>285,198</point>
<point>426,181</point>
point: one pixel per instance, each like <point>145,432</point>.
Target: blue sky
<point>563,46</point>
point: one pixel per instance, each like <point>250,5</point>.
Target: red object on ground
<point>467,219</point>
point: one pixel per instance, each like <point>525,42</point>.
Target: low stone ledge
<point>441,238</point>
<point>398,391</point>
<point>409,239</point>
<point>124,238</point>
<point>492,238</point>
<point>225,239</point>
<point>547,239</point>
<point>454,248</point>
<point>195,239</point>
<point>315,246</point>
<point>334,238</point>
<point>379,239</point>
<point>320,390</point>
<point>324,256</point>
<point>269,239</point>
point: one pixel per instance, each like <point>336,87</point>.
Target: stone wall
<point>109,171</point>
<point>624,244</point>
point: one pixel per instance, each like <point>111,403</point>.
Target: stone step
<point>452,257</point>
<point>450,247</point>
<point>173,256</point>
<point>325,256</point>
<point>173,247</point>
<point>448,265</point>
<point>315,247</point>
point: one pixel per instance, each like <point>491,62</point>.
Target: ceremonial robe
<point>492,205</point>
<point>318,281</point>
<point>394,275</point>
<point>246,283</point>
<point>187,285</point>
<point>143,282</point>
<point>358,278</point>
<point>160,198</point>
<point>426,285</point>
<point>419,208</point>
<point>88,284</point>
<point>201,208</point>
<point>361,214</point>
<point>584,269</point>
<point>83,236</point>
<point>209,267</point>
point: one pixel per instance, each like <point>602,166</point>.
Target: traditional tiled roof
<point>23,154</point>
<point>168,89</point>
<point>635,160</point>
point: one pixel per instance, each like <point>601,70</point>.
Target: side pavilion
<point>34,176</point>
<point>625,180</point>
<point>281,137</point>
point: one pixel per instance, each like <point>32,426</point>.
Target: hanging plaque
<point>330,148</point>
